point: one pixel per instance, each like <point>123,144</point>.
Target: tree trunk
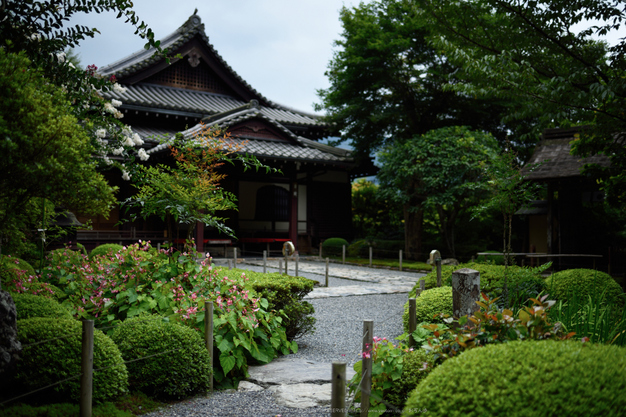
<point>413,226</point>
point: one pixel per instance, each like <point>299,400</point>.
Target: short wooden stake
<point>235,256</point>
<point>208,335</point>
<point>286,266</point>
<point>230,264</point>
<point>320,250</point>
<point>438,262</point>
<point>412,321</point>
<point>371,256</point>
<point>422,285</point>
<point>264,261</point>
<point>338,390</point>
<point>297,261</point>
<point>280,266</point>
<point>327,272</point>
<point>343,254</point>
<point>366,369</point>
<point>86,379</point>
<point>400,260</point>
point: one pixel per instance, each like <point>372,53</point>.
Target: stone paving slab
<point>285,370</point>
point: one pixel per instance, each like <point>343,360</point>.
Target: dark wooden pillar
<point>293,213</point>
<point>200,236</point>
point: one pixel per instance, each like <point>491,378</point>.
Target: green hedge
<point>283,292</point>
<point>585,283</point>
<point>416,365</point>
<point>430,302</point>
<point>30,305</point>
<point>529,378</point>
<point>180,368</point>
<point>334,246</point>
<point>380,248</point>
<point>106,249</point>
<point>59,357</point>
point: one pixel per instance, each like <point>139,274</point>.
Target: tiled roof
<point>179,99</point>
<point>142,59</point>
<point>301,149</point>
<point>554,158</point>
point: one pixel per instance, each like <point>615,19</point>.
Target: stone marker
<point>465,292</point>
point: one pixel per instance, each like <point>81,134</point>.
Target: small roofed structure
<point>563,224</point>
<point>309,202</point>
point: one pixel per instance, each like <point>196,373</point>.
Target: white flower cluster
<point>143,155</point>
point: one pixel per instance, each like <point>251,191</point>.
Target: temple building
<point>307,202</point>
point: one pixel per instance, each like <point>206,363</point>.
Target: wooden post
<point>297,261</point>
<point>280,266</point>
<point>412,321</point>
<point>366,386</point>
<point>422,285</point>
<point>320,249</point>
<point>235,256</point>
<point>286,266</point>
<point>465,292</point>
<point>264,261</point>
<point>338,390</point>
<point>343,253</point>
<point>230,264</point>
<point>400,259</point>
<point>86,379</point>
<point>439,273</point>
<point>371,256</point>
<point>326,272</point>
<point>208,335</point>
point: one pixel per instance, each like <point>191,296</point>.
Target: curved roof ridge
<point>143,58</point>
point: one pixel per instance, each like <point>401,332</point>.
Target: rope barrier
<point>41,389</point>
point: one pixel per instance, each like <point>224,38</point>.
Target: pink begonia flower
<point>366,355</point>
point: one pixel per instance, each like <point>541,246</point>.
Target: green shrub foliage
<point>59,357</point>
<point>17,264</point>
<point>416,365</point>
<point>546,377</point>
<point>430,303</point>
<point>181,367</point>
<point>106,249</point>
<point>584,283</point>
<point>285,293</point>
<point>30,305</point>
<point>522,284</point>
<point>334,246</point>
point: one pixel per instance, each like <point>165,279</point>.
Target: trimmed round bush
<point>334,246</point>
<point>430,302</point>
<point>181,367</point>
<point>106,249</point>
<point>30,305</point>
<point>413,372</point>
<point>17,264</point>
<point>529,378</point>
<point>59,358</point>
<point>582,284</point>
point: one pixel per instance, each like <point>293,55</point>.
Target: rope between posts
<point>358,387</point>
<point>49,340</point>
<point>137,360</point>
<point>41,389</point>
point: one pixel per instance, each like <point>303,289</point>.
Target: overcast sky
<point>280,47</point>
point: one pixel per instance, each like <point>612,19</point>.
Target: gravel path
<point>338,336</point>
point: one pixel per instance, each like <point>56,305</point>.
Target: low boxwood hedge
<point>30,305</point>
<point>106,249</point>
<point>176,363</point>
<point>334,246</point>
<point>428,304</point>
<point>283,292</point>
<point>59,355</point>
<point>585,283</point>
<point>527,378</point>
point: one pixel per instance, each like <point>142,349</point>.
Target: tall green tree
<point>444,170</point>
<point>46,154</point>
<point>373,215</point>
<point>386,81</point>
<point>544,55</point>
